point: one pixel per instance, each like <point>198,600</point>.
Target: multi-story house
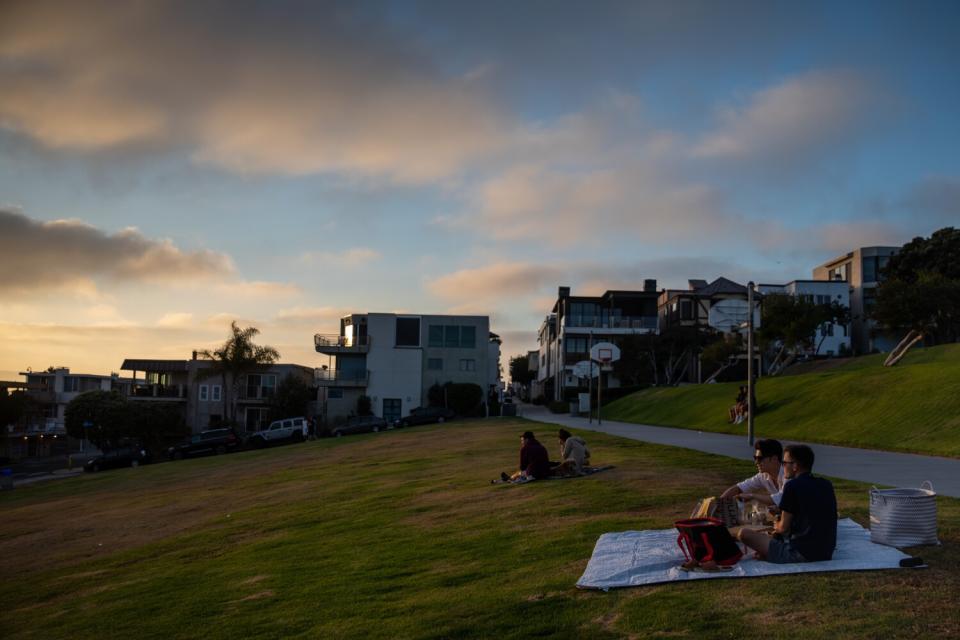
<point>861,270</point>
<point>577,322</point>
<point>542,383</point>
<point>394,359</point>
<point>831,338</point>
<point>196,385</point>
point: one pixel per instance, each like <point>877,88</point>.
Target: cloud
<point>246,87</point>
<point>317,319</point>
<point>500,280</point>
<point>66,253</point>
<point>176,320</point>
<point>351,258</point>
<point>799,118</point>
<point>936,198</point>
<point>842,237</point>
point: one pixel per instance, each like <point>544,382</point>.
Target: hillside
<point>400,535</point>
<point>914,406</point>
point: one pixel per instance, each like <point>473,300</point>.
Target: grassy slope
<point>399,535</point>
<point>914,406</point>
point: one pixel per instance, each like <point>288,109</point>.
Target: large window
<point>873,267</point>
<point>686,310</point>
<point>261,386</point>
<point>452,336</point>
<point>71,384</point>
<point>575,345</point>
<point>408,332</point>
<point>435,338</point>
<point>839,273</point>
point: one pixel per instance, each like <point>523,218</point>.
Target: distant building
<point>831,339</point>
<point>394,359</point>
<point>718,306</point>
<point>577,322</point>
<point>861,270</point>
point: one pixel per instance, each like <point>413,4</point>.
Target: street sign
<point>583,369</point>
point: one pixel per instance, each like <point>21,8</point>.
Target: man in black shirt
<point>807,530</point>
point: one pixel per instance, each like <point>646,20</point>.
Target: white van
<point>295,429</point>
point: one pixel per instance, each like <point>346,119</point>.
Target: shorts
<point>781,552</point>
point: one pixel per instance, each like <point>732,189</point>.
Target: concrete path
<point>866,465</point>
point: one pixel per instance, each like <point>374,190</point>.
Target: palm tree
<point>235,358</point>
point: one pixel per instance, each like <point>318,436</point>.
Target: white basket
<point>904,517</point>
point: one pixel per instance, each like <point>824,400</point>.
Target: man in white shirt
<point>767,486</point>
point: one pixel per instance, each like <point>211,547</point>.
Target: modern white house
<point>831,339</point>
<point>861,270</point>
<point>394,359</point>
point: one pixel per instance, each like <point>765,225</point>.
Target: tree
<point>920,293</point>
<point>720,355</point>
<point>14,407</point>
<point>520,370</point>
<point>234,359</point>
<point>364,406</point>
<point>102,417</point>
<point>292,397</point>
<point>789,325</point>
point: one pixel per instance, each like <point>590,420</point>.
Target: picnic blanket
<point>634,558</point>
<point>587,471</point>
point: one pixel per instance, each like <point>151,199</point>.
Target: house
<point>42,432</point>
<point>831,339</point>
<point>200,390</point>
<point>394,359</point>
<point>861,270</point>
<point>577,322</point>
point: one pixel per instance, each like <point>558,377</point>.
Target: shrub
<point>364,406</point>
<point>465,398</point>
<point>559,406</point>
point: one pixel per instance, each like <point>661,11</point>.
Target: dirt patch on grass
<point>253,580</point>
<point>260,595</point>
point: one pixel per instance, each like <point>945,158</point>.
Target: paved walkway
<point>866,465</point>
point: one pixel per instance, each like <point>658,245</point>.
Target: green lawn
<point>914,406</point>
<point>400,535</point>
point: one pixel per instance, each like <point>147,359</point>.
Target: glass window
<point>71,384</point>
<point>436,335</point>
<point>686,310</point>
<point>215,392</point>
<point>468,337</point>
<point>408,332</point>
<point>870,269</point>
<point>335,393</point>
<point>468,365</point>
<point>435,364</point>
<point>204,393</point>
<point>451,336</point>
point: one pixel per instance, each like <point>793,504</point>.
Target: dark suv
<point>359,424</point>
<point>205,443</point>
<point>425,415</point>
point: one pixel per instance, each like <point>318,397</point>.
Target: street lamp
<point>750,382</point>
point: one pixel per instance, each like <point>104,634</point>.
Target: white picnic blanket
<point>633,558</point>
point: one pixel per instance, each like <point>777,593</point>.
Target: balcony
<point>334,344</point>
<point>337,378</point>
<point>648,323</point>
<point>158,392</point>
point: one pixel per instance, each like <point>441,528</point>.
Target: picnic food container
<point>904,517</point>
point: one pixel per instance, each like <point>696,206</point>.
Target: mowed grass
<point>914,406</point>
<point>400,535</point>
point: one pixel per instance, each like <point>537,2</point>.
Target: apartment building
<point>831,339</point>
<point>394,359</point>
<point>861,270</point>
<point>577,322</point>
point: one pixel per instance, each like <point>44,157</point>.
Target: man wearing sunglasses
<point>765,487</point>
<point>807,529</point>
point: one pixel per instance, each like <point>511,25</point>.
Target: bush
<point>465,398</point>
<point>364,406</point>
<point>539,400</point>
<point>559,406</point>
<point>436,396</point>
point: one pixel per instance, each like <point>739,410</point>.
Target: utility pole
<point>590,379</point>
<point>750,380</point>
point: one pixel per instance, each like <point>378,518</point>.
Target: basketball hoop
<point>605,356</point>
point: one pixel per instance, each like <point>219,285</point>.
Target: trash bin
<point>6,479</point>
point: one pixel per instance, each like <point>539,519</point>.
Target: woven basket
<point>904,517</point>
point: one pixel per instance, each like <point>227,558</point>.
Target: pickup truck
<point>288,429</point>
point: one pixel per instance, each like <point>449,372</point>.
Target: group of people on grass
<point>806,505</point>
<point>535,462</point>
<point>740,409</point>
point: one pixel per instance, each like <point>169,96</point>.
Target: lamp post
<point>750,382</point>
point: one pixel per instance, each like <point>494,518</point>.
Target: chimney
<point>564,292</point>
<point>194,354</point>
<point>649,285</point>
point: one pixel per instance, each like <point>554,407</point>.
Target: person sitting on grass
<point>534,461</point>
<point>807,529</point>
<point>767,486</point>
<point>739,407</point>
<point>574,455</point>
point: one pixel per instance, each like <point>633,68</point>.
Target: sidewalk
<point>865,465</point>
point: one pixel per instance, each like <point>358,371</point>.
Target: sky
<point>168,167</point>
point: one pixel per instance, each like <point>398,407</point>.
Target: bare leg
<point>759,542</point>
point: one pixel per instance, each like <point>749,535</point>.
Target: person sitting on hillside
<point>766,486</point>
<point>739,408</point>
<point>534,461</point>
<point>807,529</point>
<point>574,455</point>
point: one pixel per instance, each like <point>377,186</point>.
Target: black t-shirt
<point>813,505</point>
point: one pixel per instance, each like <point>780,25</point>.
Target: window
<point>451,336</point>
<point>686,310</point>
<point>435,364</point>
<point>335,393</point>
<point>435,338</point>
<point>468,364</point>
<point>392,409</point>
<point>576,345</point>
<point>823,299</point>
<point>261,386</point>
<point>826,329</point>
<point>71,384</point>
<point>256,418</point>
<point>468,337</point>
<point>215,392</point>
<point>408,332</point>
<point>204,393</point>
<point>839,273</point>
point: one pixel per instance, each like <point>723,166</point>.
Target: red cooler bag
<point>707,540</point>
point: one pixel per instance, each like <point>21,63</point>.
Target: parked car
<point>359,424</point>
<point>426,415</point>
<point>216,441</point>
<point>288,429</point>
<point>116,458</point>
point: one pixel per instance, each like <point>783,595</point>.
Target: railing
<point>335,377</point>
<point>612,322</point>
<point>326,340</point>
<point>158,391</point>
